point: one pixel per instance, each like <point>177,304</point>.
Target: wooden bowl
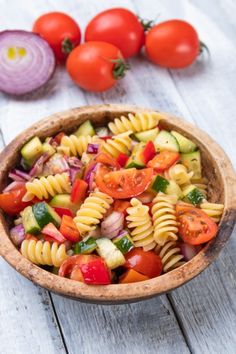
<point>217,169</point>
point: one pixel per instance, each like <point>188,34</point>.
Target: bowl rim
<point>117,293</point>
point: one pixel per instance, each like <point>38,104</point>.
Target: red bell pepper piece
<point>51,231</point>
<point>63,211</point>
<point>68,229</point>
<point>122,159</point>
<point>79,190</point>
<point>105,138</point>
<point>58,137</point>
<point>121,206</point>
<point>11,202</point>
<point>96,272</point>
<point>149,152</point>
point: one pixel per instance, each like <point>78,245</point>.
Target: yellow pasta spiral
<point>117,144</point>
<point>164,218</point>
<point>213,210</point>
<point>44,253</point>
<point>179,174</point>
<point>135,122</point>
<point>44,187</point>
<point>75,146</point>
<point>171,256</point>
<point>141,223</point>
<point>92,211</point>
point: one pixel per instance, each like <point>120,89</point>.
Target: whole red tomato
<point>95,66</point>
<point>60,31</point>
<point>172,44</point>
<point>119,27</point>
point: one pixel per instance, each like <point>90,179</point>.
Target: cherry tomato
<point>60,31</point>
<point>164,160</point>
<point>124,183</point>
<point>147,263</point>
<point>119,27</point>
<point>95,66</point>
<point>107,160</point>
<point>172,44</point>
<point>195,227</point>
<point>11,202</point>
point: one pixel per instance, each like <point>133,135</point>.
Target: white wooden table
<point>199,317</point>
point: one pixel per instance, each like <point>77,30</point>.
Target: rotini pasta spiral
<point>44,253</point>
<point>118,143</point>
<point>75,146</point>
<point>164,218</point>
<point>135,123</point>
<point>213,210</point>
<point>44,187</point>
<point>92,211</point>
<point>141,223</point>
<point>179,174</point>
<point>171,256</point>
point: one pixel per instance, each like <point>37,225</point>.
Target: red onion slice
<point>74,162</point>
<point>92,148</point>
<point>18,175</point>
<point>37,168</point>
<point>188,251</point>
<point>56,164</point>
<point>112,225</point>
<point>26,62</point>
<point>17,234</point>
<point>12,186</point>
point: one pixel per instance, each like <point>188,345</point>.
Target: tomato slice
<point>107,160</point>
<point>147,263</point>
<point>164,160</point>
<point>196,227</point>
<point>124,183</point>
<point>11,202</point>
<point>131,276</point>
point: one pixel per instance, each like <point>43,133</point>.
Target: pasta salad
<point>116,204</point>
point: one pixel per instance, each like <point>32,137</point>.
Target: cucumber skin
<point>185,144</point>
<point>30,223</point>
<point>63,201</point>
<point>44,214</point>
<point>160,184</point>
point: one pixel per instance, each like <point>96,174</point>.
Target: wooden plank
<point>138,328</point>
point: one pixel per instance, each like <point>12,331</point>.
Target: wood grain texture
<point>208,316</point>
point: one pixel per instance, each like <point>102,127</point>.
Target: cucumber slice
<point>85,246</point>
<point>174,189</point>
<point>48,148</point>
<point>136,158</point>
<point>192,161</point>
<point>111,254</point>
<point>160,184</point>
<point>148,135</point>
<point>44,214</point>
<point>166,141</point>
<point>85,129</point>
<point>185,144</point>
<point>193,195</point>
<point>64,201</point>
<point>32,150</point>
<point>124,243</point>
<point>30,224</point>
